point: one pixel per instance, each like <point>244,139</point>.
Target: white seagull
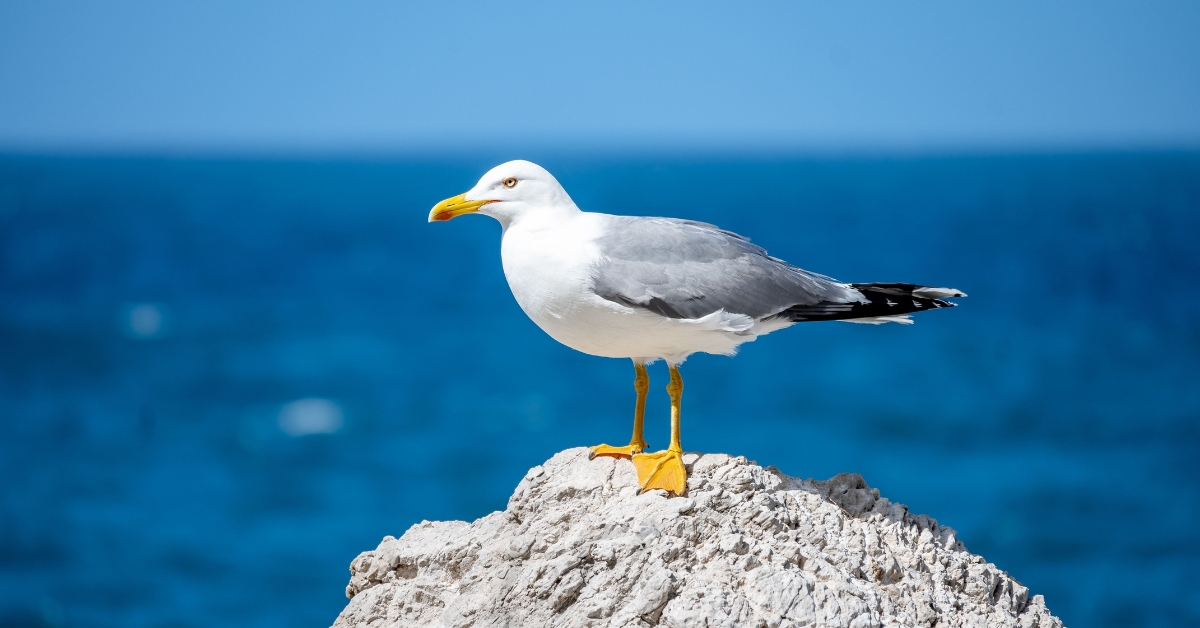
<point>656,289</point>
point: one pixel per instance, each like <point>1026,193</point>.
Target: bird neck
<point>540,218</point>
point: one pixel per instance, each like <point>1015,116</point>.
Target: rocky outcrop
<point>747,546</point>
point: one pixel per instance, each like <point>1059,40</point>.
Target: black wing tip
<point>883,299</point>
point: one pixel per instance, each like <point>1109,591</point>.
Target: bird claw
<point>662,469</point>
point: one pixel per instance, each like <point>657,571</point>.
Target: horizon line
<point>675,149</point>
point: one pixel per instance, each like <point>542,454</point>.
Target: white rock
<point>747,546</point>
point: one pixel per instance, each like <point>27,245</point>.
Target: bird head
<point>509,192</point>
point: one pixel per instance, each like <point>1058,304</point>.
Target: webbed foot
<point>617,452</point>
<point>662,469</point>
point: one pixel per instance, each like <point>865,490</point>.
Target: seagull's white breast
<point>548,267</point>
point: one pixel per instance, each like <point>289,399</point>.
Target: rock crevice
<point>748,546</point>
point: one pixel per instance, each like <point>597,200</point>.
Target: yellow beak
<point>455,206</point>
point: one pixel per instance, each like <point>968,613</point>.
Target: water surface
<point>220,380</point>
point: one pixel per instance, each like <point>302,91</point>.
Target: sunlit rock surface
<point>747,546</point>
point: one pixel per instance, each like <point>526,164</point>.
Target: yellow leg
<point>664,469</point>
<point>641,384</point>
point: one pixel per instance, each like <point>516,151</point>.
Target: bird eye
<point>510,182</point>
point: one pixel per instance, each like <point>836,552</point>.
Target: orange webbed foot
<point>663,469</point>
<point>628,451</point>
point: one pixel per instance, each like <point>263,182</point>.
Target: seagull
<point>650,289</point>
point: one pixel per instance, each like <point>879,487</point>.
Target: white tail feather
<point>903,319</point>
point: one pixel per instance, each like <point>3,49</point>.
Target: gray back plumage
<point>686,269</point>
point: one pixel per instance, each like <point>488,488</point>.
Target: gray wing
<point>685,269</point>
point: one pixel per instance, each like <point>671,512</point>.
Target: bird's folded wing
<point>684,269</point>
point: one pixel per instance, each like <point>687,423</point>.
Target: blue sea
<point>222,379</point>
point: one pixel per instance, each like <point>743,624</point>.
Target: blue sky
<point>393,76</point>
